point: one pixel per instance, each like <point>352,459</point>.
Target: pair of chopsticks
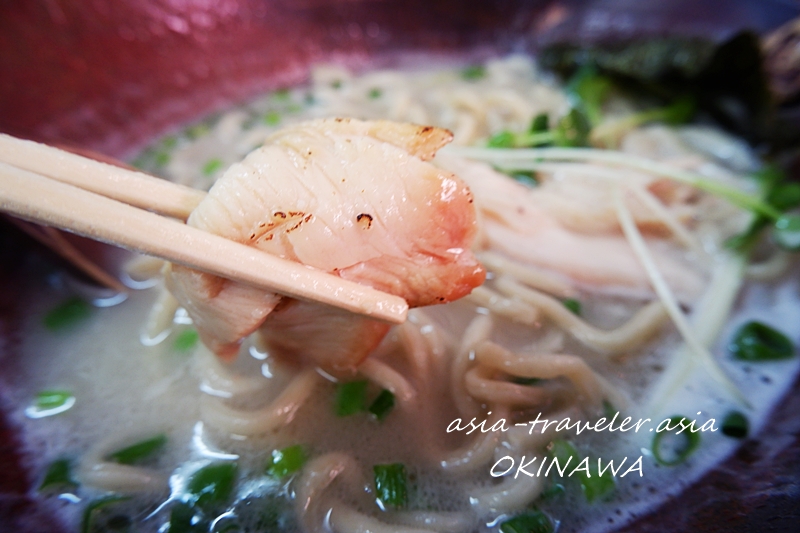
<point>123,207</point>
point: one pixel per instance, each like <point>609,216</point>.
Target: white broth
<point>557,331</point>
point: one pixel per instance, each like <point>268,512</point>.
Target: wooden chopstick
<point>44,200</point>
<point>128,186</point>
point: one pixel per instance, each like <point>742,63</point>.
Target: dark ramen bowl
<point>109,76</point>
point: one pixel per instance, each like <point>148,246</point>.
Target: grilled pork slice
<point>354,198</point>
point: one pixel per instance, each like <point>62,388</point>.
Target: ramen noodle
<point>609,294</point>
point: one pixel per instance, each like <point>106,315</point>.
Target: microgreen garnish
<point>610,132</point>
<point>780,196</point>
<point>570,131</point>
<point>590,90</point>
<point>786,226</point>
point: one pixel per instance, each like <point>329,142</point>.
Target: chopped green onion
<point>49,403</point>
<point>53,399</point>
<point>162,158</point>
<point>683,445</point>
<point>281,94</point>
<point>375,93</point>
<point>474,72</point>
<point>562,450</point>
<point>382,405</point>
<point>609,411</point>
<point>169,142</point>
<point>212,484</point>
<point>139,451</point>
<point>198,130</point>
<point>735,425</point>
<point>519,380</point>
<point>59,474</point>
<point>294,108</point>
<point>186,340</point>
<point>119,522</point>
<point>211,166</point>
<point>573,305</point>
<point>553,491</point>
<point>67,314</point>
<point>286,461</point>
<point>94,507</point>
<point>755,341</point>
<point>336,84</point>
<point>272,118</point>
<point>183,518</point>
<point>140,162</point>
<point>351,397</point>
<point>530,522</point>
<point>595,486</point>
<point>390,485</point>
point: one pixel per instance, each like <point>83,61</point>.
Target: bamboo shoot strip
<point>46,201</point>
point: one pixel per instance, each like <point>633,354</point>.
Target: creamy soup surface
<point>437,429</point>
